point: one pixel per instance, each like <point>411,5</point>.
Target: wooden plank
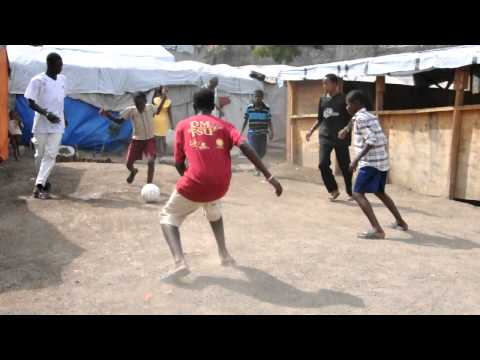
<point>415,111</point>
<point>468,166</point>
<point>460,83</point>
<point>290,123</point>
<point>419,146</point>
<point>379,92</point>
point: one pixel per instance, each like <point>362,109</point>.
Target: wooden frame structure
<point>433,151</point>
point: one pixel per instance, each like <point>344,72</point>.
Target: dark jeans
<point>343,157</point>
<point>259,143</point>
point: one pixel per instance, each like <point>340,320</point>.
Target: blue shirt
<point>258,119</point>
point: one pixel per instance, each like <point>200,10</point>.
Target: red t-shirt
<point>205,141</point>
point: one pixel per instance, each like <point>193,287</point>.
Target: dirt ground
<point>98,249</point>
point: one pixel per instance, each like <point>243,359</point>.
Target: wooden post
<point>290,124</point>
<point>379,91</point>
<point>460,83</point>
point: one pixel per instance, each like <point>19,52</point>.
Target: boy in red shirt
<point>205,142</point>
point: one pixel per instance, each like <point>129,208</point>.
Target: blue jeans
<point>259,143</point>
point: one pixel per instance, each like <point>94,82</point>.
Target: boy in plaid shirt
<point>372,160</point>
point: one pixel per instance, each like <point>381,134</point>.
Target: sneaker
<point>47,187</point>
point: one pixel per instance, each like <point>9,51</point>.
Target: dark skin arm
<point>255,160</point>
<point>365,150</point>
<point>54,119</point>
<point>109,115</point>
<point>317,123</point>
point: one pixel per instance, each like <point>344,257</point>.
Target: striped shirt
<point>258,119</point>
<point>367,130</point>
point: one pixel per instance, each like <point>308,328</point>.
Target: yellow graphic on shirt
<point>219,143</point>
<point>194,144</point>
<point>203,128</point>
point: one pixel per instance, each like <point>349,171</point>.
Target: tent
<point>105,77</point>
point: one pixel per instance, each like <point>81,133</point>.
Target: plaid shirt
<point>367,130</point>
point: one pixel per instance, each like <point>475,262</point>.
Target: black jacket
<point>333,117</point>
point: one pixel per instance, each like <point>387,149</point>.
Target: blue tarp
<point>86,128</point>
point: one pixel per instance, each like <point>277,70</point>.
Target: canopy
<point>109,72</point>
<point>395,65</point>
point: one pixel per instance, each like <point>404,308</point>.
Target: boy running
<point>372,159</point>
<point>143,137</point>
<point>205,142</point>
<point>259,120</point>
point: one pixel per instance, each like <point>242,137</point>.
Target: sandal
<point>371,234</point>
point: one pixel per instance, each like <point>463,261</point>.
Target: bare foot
<point>181,270</point>
<point>131,177</point>
<point>400,225</point>
<point>228,261</point>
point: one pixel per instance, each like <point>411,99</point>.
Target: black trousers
<point>343,157</point>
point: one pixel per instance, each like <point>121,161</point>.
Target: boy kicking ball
<point>143,137</point>
<point>204,141</point>
<point>372,161</point>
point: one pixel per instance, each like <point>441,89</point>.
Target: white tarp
<point>396,65</point>
<point>109,73</point>
<point>154,51</point>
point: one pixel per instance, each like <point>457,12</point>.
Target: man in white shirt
<point>46,94</point>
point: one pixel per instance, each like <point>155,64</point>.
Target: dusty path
<point>98,249</point>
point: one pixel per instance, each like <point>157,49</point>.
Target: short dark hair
<point>358,96</point>
<point>139,94</point>
<point>260,92</point>
<point>332,77</point>
<point>204,100</point>
<point>52,58</point>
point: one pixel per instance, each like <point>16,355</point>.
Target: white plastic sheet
<point>110,73</point>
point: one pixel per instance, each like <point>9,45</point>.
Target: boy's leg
<point>171,217</point>
<point>368,211</point>
<point>388,202</point>
<point>172,236</point>
<point>150,153</point>
<point>326,171</point>
<point>213,212</point>
<point>151,171</point>
<point>343,157</point>
<point>131,157</point>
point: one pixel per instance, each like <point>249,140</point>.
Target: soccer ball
<point>150,193</point>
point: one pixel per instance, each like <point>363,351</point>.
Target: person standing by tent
<point>259,120</point>
<point>163,121</point>
<point>212,85</point>
<point>46,94</point>
<point>143,137</point>
<point>333,117</point>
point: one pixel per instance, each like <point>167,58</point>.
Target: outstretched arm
<point>109,115</point>
<point>255,160</point>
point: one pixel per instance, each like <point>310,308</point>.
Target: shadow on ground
<point>267,288</point>
<point>33,253</point>
<point>443,241</point>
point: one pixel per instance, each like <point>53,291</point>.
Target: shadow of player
<point>267,288</point>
